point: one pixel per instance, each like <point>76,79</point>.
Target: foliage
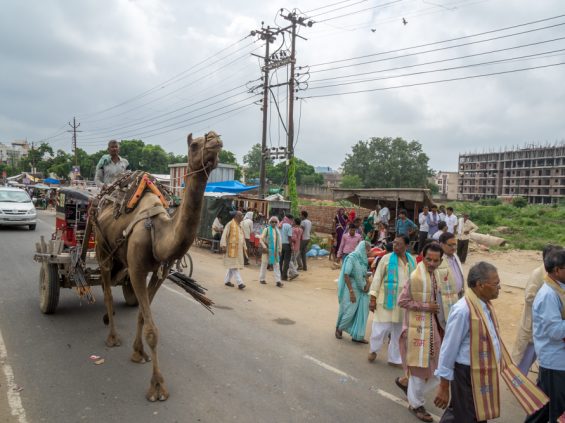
<point>530,227</point>
<point>490,202</point>
<point>252,162</point>
<point>388,163</point>
<point>520,202</point>
<point>292,194</point>
<point>433,187</point>
<point>351,181</point>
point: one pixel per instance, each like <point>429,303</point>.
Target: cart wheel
<point>49,288</point>
<point>184,265</point>
<point>129,295</point>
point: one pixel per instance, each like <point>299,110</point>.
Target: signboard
<point>76,170</point>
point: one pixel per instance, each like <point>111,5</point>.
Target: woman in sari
<point>352,288</point>
<point>340,221</point>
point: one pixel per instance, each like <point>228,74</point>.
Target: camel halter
<point>203,168</point>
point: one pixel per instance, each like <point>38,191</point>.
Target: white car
<point>16,208</point>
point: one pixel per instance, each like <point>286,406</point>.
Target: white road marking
<point>181,294</point>
<point>14,399</point>
<point>330,368</point>
<point>382,393</point>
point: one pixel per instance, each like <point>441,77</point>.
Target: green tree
<point>61,164</point>
<point>252,162</point>
<point>351,181</point>
<point>154,159</point>
<point>132,150</point>
<point>388,163</point>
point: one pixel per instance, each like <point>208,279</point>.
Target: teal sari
<point>352,317</point>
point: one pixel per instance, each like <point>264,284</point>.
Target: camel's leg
<point>157,389</point>
<point>113,339</point>
<point>139,355</point>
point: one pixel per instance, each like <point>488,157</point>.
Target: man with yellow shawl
<point>472,356</point>
<point>420,341</point>
<point>233,244</point>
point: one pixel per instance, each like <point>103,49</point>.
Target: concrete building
<point>332,178</point>
<point>447,183</point>
<point>13,152</point>
<point>534,172</point>
<point>224,172</point>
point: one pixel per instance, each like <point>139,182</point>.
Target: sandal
<point>360,341</point>
<point>338,333</point>
<point>229,284</point>
<point>403,387</point>
<point>421,413</point>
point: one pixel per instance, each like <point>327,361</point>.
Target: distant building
<point>12,153</point>
<point>223,172</point>
<point>332,178</point>
<point>447,183</point>
<point>534,172</point>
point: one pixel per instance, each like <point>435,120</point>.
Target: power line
<point>360,11</point>
<point>450,40</point>
<point>328,5</point>
<point>335,10</point>
<point>439,70</point>
<point>416,84</point>
<point>158,86</point>
<point>437,61</point>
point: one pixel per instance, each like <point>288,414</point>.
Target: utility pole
<point>74,131</point>
<point>269,36</point>
<point>295,21</point>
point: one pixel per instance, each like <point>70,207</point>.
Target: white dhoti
<point>418,388</point>
<point>380,332</point>
<point>263,270</point>
<point>233,273</point>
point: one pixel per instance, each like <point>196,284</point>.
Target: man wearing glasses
<point>451,265</point>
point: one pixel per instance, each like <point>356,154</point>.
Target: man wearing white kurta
<point>392,273</point>
<point>233,244</point>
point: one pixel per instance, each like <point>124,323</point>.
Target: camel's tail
<point>193,288</point>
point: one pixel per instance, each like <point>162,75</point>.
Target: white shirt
<point>384,214</point>
<point>451,223</point>
<point>247,227</point>
<point>423,220</point>
<point>437,235</point>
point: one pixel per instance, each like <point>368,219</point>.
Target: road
<point>266,355</point>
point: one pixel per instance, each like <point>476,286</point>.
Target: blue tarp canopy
<point>233,187</point>
<point>51,181</point>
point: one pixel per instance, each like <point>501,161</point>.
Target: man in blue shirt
<point>404,226</point>
<point>548,315</point>
<point>286,235</point>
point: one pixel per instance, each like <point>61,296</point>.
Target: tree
<point>154,159</point>
<point>252,162</point>
<point>132,150</point>
<point>388,163</point>
<point>351,181</point>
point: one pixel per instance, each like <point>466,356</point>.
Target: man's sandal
<point>401,386</point>
<point>421,413</point>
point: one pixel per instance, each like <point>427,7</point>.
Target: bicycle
<point>184,265</point>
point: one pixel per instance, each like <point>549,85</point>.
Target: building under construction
<point>534,172</point>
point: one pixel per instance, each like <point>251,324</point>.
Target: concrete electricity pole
<point>269,36</point>
<point>74,131</point>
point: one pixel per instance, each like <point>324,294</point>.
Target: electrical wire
<point>326,6</point>
<point>359,11</point>
<point>440,70</point>
<point>339,8</point>
<point>416,84</point>
<point>449,40</point>
<point>168,81</point>
<point>436,61</point>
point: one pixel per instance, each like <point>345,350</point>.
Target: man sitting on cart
<point>110,165</point>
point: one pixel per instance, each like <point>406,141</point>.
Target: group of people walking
<point>283,247</point>
<point>441,329</point>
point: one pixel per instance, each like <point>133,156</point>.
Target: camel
<point>153,244</point>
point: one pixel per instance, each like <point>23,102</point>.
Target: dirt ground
<point>319,287</point>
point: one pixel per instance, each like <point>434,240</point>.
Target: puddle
<point>284,321</point>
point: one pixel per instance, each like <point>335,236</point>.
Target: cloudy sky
<point>158,69</point>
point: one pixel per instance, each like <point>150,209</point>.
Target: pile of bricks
<point>322,217</point>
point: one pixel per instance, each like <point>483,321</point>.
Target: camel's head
<point>203,152</point>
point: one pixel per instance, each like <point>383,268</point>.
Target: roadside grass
<point>526,228</point>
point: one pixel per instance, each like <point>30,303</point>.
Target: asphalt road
<point>246,363</point>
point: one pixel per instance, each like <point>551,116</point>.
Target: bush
<point>484,216</point>
<point>519,202</point>
<point>490,202</point>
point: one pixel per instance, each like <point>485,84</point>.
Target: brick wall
<point>322,216</point>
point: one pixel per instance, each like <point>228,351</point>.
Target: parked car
<point>16,208</point>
